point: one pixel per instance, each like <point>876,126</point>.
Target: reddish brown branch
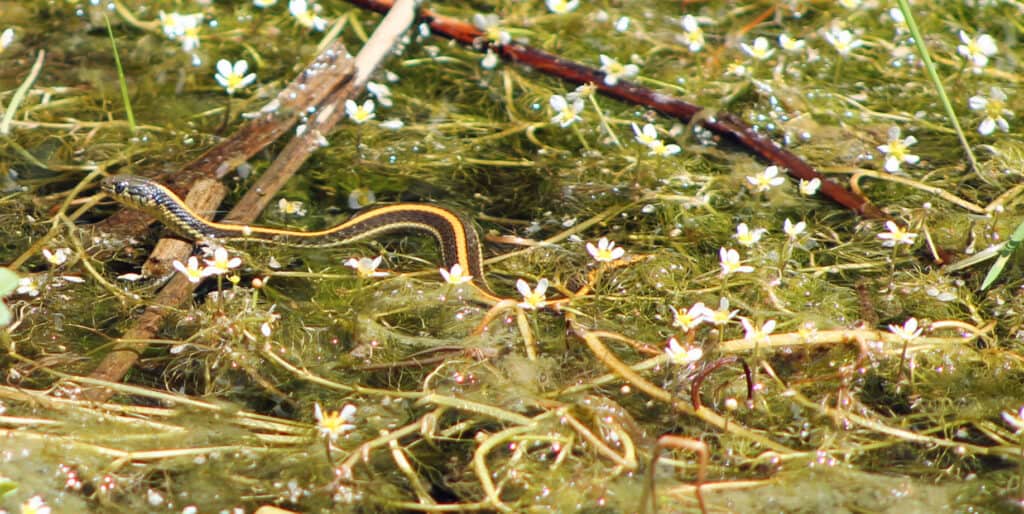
<point>722,123</point>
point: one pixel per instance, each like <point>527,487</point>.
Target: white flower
<point>614,70</point>
<point>35,505</point>
<point>392,124</point>
<point>565,114</point>
<point>755,333</point>
<point>307,15</point>
<point>381,91</point>
<point>908,332</point>
<point>361,197</point>
<point>789,44</point>
<point>843,41</point>
<point>977,50</point>
<point>176,25</point>
<point>263,3</point>
<point>220,264</point>
<point>27,286</point>
<point>456,275</point>
<point>793,231</point>
<point>766,180</point>
<point>490,24</point>
<point>737,69</point>
<point>562,6</point>
<point>850,4</point>
<point>605,251</point>
<point>532,298</point>
<point>994,108</point>
<point>689,319</point>
<point>896,235</point>
<point>647,135</point>
<point>897,151</point>
<point>291,207</point>
<point>760,50</point>
<point>233,77</point>
<point>809,187</point>
<point>693,35</point>
<point>746,237</point>
<point>678,354</point>
<point>192,271</point>
<point>730,261</point>
<point>56,257</point>
<point>659,149</point>
<point>1016,421</point>
<point>360,113</point>
<point>335,423</point>
<point>6,38</point>
<point>722,314</point>
<point>899,20</point>
<point>366,267</point>
<point>490,60</point>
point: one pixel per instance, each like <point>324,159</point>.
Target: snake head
<point>132,191</point>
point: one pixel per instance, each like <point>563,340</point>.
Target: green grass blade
<point>121,79</point>
<point>1004,255</point>
<point>929,67</point>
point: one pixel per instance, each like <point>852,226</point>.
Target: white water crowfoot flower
<point>336,423</point>
<point>307,14</point>
<point>233,77</point>
<point>994,109</point>
<point>490,24</point>
<point>730,261</point>
<point>689,319</point>
<point>360,113</point>
<point>896,235</point>
<point>456,275</point>
<point>660,149</point>
<point>562,6</point>
<point>647,135</point>
<point>758,334</point>
<point>291,207</point>
<point>366,267</point>
<point>977,50</point>
<point>614,70</point>
<point>681,355</point>
<point>565,114</point>
<point>221,264</point>
<point>605,251</point>
<point>908,332</point>
<point>843,41</point>
<point>1015,420</point>
<point>791,45</point>
<point>766,180</point>
<point>6,38</point>
<point>793,230</point>
<point>56,257</point>
<point>693,35</point>
<point>809,187</point>
<point>746,237</point>
<point>535,298</point>
<point>897,151</point>
<point>722,314</point>
<point>192,271</point>
<point>35,505</point>
<point>759,50</point>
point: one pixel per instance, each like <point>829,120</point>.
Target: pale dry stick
<point>842,336</point>
<point>20,93</point>
<point>483,473</point>
<point>627,461</point>
<point>314,379</point>
<point>673,441</point>
<point>329,112</point>
<point>398,454</point>
<point>857,173</point>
